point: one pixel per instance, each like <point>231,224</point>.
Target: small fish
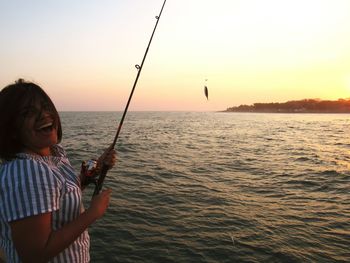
<point>206,92</point>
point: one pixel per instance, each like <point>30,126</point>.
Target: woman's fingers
<point>110,158</point>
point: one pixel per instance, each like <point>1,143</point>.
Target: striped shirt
<point>32,185</point>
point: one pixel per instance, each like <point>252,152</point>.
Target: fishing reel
<point>89,172</point>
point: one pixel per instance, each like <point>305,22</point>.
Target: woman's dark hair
<point>13,99</point>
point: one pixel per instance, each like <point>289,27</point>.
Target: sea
<point>218,186</point>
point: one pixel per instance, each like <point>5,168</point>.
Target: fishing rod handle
<point>98,184</point>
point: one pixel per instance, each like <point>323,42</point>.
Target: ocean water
<point>219,187</point>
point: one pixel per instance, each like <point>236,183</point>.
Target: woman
<point>41,212</point>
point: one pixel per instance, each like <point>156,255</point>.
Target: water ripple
<point>217,187</point>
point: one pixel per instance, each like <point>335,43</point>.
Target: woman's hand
<point>108,158</point>
<point>99,203</point>
<point>91,169</point>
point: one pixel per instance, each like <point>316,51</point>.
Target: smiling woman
<point>31,124</point>
<point>42,215</point>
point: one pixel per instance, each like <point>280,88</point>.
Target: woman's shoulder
<point>24,165</point>
<point>21,171</point>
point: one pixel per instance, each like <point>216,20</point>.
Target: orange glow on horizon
<point>250,51</point>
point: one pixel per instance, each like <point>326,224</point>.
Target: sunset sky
<point>83,52</point>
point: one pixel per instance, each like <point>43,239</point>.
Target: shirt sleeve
<point>28,188</point>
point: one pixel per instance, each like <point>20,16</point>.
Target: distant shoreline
<point>300,106</point>
<point>280,112</point>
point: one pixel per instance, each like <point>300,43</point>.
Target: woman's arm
<point>35,241</point>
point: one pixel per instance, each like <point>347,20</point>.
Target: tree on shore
<point>297,106</point>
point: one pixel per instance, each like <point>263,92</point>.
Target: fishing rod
<point>104,169</point>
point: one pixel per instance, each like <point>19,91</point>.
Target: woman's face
<point>38,130</point>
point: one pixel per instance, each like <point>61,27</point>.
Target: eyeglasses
<point>33,111</point>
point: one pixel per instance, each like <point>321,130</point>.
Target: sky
<point>83,52</point>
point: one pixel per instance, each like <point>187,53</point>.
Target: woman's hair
<point>14,98</point>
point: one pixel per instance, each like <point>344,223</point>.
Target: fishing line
<point>104,169</point>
